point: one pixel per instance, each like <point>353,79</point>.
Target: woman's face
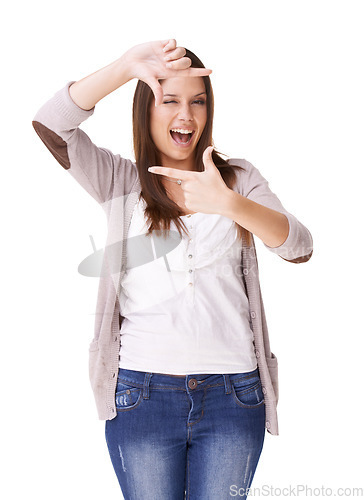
<point>183,111</point>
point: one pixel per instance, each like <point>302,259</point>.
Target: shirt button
<point>257,353</point>
<point>188,215</point>
<point>190,284</point>
<point>264,390</point>
<point>190,256</point>
<point>245,271</point>
<point>252,314</point>
<point>267,424</point>
<point>190,240</point>
<point>190,270</point>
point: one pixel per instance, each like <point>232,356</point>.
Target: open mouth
<point>182,139</point>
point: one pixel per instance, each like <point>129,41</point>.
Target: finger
<point>174,173</point>
<point>171,44</point>
<point>207,158</point>
<point>195,72</point>
<point>175,54</point>
<point>156,89</point>
<point>181,67</point>
<point>179,64</point>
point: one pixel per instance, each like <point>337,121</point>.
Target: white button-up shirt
<point>183,300</point>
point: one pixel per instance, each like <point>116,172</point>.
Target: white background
<point>288,83</point>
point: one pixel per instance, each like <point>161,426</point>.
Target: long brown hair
<point>160,209</point>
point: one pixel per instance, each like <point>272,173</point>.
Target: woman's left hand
<point>203,191</point>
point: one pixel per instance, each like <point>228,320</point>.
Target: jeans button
<point>192,384</point>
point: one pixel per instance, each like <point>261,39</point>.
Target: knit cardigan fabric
<point>114,183</point>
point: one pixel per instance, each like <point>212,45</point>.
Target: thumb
<point>156,89</point>
<point>207,158</point>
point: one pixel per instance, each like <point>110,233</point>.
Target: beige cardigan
<point>114,183</point>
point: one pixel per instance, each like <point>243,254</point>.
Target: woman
<point>180,363</point>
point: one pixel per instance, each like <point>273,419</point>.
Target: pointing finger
<point>175,173</point>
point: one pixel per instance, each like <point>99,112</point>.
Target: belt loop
<point>147,378</point>
<point>227,384</point>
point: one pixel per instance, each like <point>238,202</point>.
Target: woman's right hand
<point>150,62</point>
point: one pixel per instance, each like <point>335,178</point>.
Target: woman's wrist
<point>124,69</point>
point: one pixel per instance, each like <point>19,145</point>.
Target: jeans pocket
<point>248,392</point>
<point>127,396</point>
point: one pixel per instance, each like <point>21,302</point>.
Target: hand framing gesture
<point>161,59</point>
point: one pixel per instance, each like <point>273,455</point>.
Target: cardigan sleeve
<point>298,246</point>
<point>57,124</point>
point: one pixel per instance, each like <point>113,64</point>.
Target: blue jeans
<point>193,437</point>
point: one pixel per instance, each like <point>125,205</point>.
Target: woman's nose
<point>185,112</point>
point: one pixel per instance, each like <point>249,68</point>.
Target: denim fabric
<point>195,437</point>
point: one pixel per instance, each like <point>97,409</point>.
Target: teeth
<point>181,131</point>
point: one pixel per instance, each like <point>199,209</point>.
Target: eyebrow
<point>174,95</point>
